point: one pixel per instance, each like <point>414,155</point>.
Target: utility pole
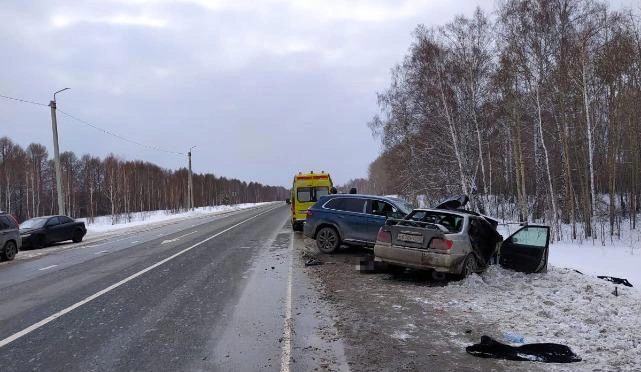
<point>56,153</point>
<point>190,183</point>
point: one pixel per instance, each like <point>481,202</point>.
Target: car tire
<point>297,226</point>
<point>77,236</point>
<point>9,251</point>
<point>327,240</point>
<point>469,266</point>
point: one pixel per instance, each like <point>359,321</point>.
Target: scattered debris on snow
<point>560,306</point>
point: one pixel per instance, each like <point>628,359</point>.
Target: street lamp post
<point>56,153</point>
<point>190,183</point>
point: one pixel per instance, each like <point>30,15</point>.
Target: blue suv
<point>350,219</point>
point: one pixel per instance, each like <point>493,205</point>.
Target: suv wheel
<point>327,240</point>
<point>9,251</point>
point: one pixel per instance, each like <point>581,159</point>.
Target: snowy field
<point>107,223</point>
<point>559,306</point>
<point>611,256</point>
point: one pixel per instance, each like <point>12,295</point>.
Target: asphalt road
<point>217,294</point>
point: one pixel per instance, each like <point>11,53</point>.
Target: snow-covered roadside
<point>620,258</point>
<point>617,261</point>
<point>104,223</point>
<point>559,306</point>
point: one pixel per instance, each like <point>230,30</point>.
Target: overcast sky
<point>263,88</point>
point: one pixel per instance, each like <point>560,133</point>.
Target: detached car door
<point>526,250</point>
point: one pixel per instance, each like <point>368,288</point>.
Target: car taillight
<point>384,236</point>
<point>444,244</point>
<point>309,213</point>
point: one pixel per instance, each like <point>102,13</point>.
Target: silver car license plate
<point>410,238</point>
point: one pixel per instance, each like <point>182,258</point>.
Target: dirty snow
<point>109,223</point>
<point>559,306</point>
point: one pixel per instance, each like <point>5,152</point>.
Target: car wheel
<point>77,236</point>
<point>297,226</point>
<point>9,251</point>
<point>327,240</point>
<point>469,266</point>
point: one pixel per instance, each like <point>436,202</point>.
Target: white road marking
<point>177,238</point>
<point>135,241</point>
<point>101,252</point>
<point>286,354</point>
<point>47,268</point>
<point>66,310</point>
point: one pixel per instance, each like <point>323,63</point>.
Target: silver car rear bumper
<point>422,259</point>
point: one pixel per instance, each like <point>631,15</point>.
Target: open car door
<point>526,250</point>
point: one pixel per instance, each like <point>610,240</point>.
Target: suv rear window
<point>311,194</point>
<point>347,205</point>
<point>452,222</point>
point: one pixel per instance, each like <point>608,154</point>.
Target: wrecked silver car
<point>448,239</point>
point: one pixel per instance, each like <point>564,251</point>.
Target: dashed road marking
<point>177,238</point>
<point>47,268</point>
<point>286,354</point>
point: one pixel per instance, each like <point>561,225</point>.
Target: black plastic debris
<point>616,280</point>
<point>367,265</point>
<point>313,262</point>
<point>541,352</point>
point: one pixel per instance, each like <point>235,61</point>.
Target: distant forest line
<point>93,186</point>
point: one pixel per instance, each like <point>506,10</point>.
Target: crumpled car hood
<point>456,202</point>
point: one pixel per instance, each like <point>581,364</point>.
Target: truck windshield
<point>311,194</point>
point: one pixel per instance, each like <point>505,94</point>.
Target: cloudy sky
<point>262,88</point>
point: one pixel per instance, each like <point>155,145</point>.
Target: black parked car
<point>42,231</point>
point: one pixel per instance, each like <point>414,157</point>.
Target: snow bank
<point>559,306</point>
<point>612,256</point>
<point>618,261</point>
<point>106,223</point>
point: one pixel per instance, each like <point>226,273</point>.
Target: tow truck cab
<point>307,188</point>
